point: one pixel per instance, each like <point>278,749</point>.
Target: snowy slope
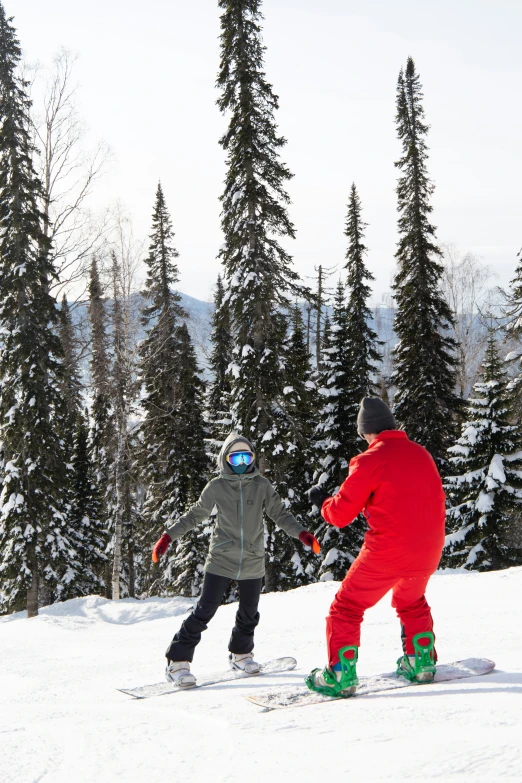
<point>61,718</point>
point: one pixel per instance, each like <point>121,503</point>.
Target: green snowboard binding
<point>341,683</point>
<point>421,666</point>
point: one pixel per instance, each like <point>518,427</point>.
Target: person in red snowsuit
<point>398,487</point>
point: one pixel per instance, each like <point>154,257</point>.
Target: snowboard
<point>300,696</point>
<point>275,666</point>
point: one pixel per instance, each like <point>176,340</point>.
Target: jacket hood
<point>223,466</point>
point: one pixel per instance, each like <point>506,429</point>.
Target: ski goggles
<point>237,458</point>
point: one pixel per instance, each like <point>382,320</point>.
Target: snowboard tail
<point>164,688</point>
<point>299,696</point>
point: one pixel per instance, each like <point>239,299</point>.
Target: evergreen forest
<point>115,399</point>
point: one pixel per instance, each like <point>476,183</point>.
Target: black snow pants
<point>247,617</point>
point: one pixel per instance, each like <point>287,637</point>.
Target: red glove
<point>160,547</point>
<point>308,539</point>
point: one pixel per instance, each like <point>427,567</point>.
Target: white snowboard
<point>300,696</point>
<point>163,688</point>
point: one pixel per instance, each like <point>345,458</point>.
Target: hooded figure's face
<point>241,468</point>
<point>238,455</point>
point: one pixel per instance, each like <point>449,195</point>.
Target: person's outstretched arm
<point>196,514</point>
<point>341,509</point>
<point>280,515</point>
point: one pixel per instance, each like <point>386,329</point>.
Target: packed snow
<point>62,718</point>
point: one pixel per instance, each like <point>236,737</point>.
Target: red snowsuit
<point>397,484</point>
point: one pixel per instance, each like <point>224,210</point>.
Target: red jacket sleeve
<point>341,509</point>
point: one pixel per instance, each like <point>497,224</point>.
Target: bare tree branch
<point>69,173</point>
<point>465,285</point>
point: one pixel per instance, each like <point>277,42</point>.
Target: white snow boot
<point>244,662</point>
<point>179,674</point>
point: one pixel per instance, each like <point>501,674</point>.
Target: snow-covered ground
<point>62,719</point>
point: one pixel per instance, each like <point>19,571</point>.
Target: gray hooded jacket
<point>237,547</point>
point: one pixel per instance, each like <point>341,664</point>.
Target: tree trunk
<point>107,578</point>
<point>118,470</point>
<point>32,592</point>
<point>271,577</point>
<point>45,596</point>
<point>130,563</point>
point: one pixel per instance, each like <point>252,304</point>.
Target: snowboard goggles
<point>237,458</point>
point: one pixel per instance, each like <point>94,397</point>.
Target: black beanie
<point>374,417</point>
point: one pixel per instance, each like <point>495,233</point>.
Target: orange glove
<point>308,539</point>
<point>160,547</point>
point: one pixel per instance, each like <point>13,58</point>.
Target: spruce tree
<point>172,433</point>
<point>425,362</point>
<point>189,471</point>
<point>293,467</point>
<point>218,406</point>
<point>71,388</point>
<point>362,340</point>
<point>36,554</point>
<point>159,369</point>
<point>258,273</point>
<point>85,513</point>
<point>349,369</point>
<point>259,278</point>
<point>486,491</point>
<point>83,520</point>
<point>336,437</point>
<point>102,434</point>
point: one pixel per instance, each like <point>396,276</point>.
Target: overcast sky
<point>146,73</point>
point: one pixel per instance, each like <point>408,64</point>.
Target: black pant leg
<point>189,635</point>
<point>247,616</point>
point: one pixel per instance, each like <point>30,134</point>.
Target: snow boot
<point>341,681</point>
<point>244,662</point>
<point>179,674</point>
<point>421,666</point>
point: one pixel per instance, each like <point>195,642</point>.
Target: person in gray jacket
<point>237,551</point>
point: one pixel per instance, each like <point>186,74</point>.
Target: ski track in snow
<point>62,719</point>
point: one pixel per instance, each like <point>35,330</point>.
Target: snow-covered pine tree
<point>71,388</point>
<point>159,368</point>
<point>172,433</point>
<point>36,554</point>
<point>294,467</point>
<point>84,515</point>
<point>218,404</point>
<point>336,436</point>
<point>102,431</point>
<point>362,339</point>
<point>352,355</point>
<point>189,470</point>
<point>259,278</point>
<point>486,491</point>
<point>83,522</point>
<point>425,362</point>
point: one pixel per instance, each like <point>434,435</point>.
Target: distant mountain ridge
<point>199,324</point>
